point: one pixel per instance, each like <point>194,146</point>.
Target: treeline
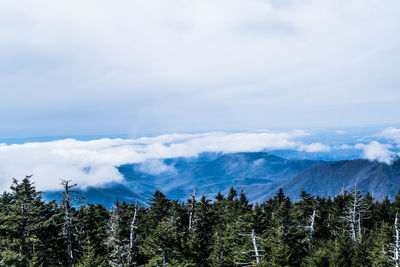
<point>347,230</point>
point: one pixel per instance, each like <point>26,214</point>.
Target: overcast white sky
<point>128,66</point>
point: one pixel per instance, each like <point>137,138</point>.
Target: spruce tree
<point>25,218</point>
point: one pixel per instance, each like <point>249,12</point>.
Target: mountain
<point>209,172</point>
<point>178,176</point>
<point>379,179</point>
<point>259,174</point>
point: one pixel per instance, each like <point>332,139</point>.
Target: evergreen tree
<point>312,231</point>
<point>379,251</point>
<point>230,244</point>
<point>343,251</point>
<point>90,258</point>
<point>25,218</point>
<point>320,256</point>
<point>166,239</point>
<point>118,244</point>
<point>200,238</point>
<point>159,207</point>
<point>93,223</point>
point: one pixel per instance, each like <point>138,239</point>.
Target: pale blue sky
<point>143,67</point>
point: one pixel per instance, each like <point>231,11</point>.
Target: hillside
<point>260,175</point>
<point>210,172</point>
<point>329,179</point>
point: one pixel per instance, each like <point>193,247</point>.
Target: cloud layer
<point>377,151</point>
<point>382,152</point>
<point>392,134</point>
<point>93,162</point>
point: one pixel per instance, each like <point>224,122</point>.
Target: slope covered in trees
<point>259,174</point>
<point>211,172</point>
<point>347,230</point>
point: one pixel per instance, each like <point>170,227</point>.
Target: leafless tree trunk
<point>255,250</point>
<point>355,212</point>
<point>68,225</point>
<point>131,253</point>
<point>311,228</point>
<point>396,245</point>
<point>253,237</point>
<point>191,207</point>
<point>132,236</point>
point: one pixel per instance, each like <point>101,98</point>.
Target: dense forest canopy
<point>346,230</point>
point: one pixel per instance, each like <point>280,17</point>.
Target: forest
<point>345,230</point>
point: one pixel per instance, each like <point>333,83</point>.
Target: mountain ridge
<point>259,174</point>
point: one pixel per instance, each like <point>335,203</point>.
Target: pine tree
<point>200,239</point>
<point>379,251</point>
<point>278,251</point>
<point>25,219</point>
<point>90,258</point>
<point>229,244</point>
<point>166,239</point>
<point>321,256</point>
<point>93,222</point>
<point>343,251</point>
<point>159,206</point>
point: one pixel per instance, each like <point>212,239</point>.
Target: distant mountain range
<point>377,178</point>
<point>259,174</point>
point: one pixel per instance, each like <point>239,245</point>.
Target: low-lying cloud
<point>392,134</point>
<point>91,163</point>
<point>314,147</point>
<point>376,151</point>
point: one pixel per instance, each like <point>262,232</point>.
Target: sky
<point>181,77</point>
<point>193,66</point>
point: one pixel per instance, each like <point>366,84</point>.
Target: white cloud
<point>377,151</point>
<point>345,146</point>
<point>314,147</point>
<point>392,134</point>
<point>156,167</point>
<point>93,162</point>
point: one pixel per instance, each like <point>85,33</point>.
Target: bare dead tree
<point>311,229</point>
<point>254,239</point>
<point>68,219</point>
<point>397,242</point>
<point>133,227</point>
<point>355,211</point>
<point>132,236</point>
<point>119,248</point>
<point>191,207</point>
<point>256,251</point>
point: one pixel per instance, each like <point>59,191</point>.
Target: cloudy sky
<point>196,75</point>
<point>156,66</point>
